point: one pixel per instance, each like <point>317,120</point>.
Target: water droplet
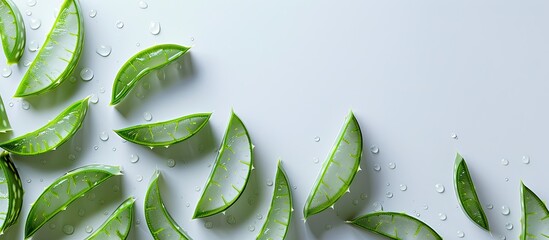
<point>28,12</point>
<point>403,187</point>
<point>31,3</point>
<point>93,13</point>
<point>425,207</point>
<point>417,214</point>
<point>11,104</point>
<point>89,229</point>
<point>389,194</point>
<point>187,204</point>
<point>41,179</point>
<point>355,202</point>
<point>139,178</point>
<point>25,105</point>
<point>454,136</point>
<point>504,162</point>
<point>374,149</point>
<point>137,44</point>
<point>143,5</point>
<point>509,226</point>
<point>295,187</point>
<point>103,50</point>
<point>94,99</point>
<point>154,28</point>
<point>502,237</point>
<point>33,46</point>
<point>328,227</point>
<point>86,74</point>
<point>170,163</point>
<point>505,210</point>
<point>231,219</point>
<point>525,159</point>
<point>208,225</point>
<point>269,183</point>
<point>460,234</point>
<point>259,216</point>
<point>442,217</point>
<point>439,188</point>
<point>317,139</point>
<point>104,136</point>
<point>197,188</point>
<point>102,90</point>
<point>72,157</point>
<point>363,196</point>
<point>53,226</point>
<point>114,149</point>
<point>81,212</point>
<point>391,165</point>
<point>192,39</point>
<point>507,179</point>
<point>119,24</point>
<point>29,180</point>
<point>134,158</point>
<point>35,23</point>
<point>377,167</point>
<point>147,116</point>
<point>68,229</point>
<point>137,222</point>
<point>6,72</point>
<point>316,160</point>
<point>251,228</point>
<point>490,206</point>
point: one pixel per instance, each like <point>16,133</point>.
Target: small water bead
<point>317,139</point>
<point>89,229</point>
<point>103,50</point>
<point>41,180</point>
<point>81,212</point>
<point>418,215</point>
<point>114,149</point>
<point>460,234</point>
<point>154,28</point>
<point>403,187</point>
<point>389,194</point>
<point>251,228</point>
<point>454,136</point>
<point>208,225</point>
<point>137,44</point>
<point>53,226</point>
<point>525,159</point>
<point>35,23</point>
<point>6,72</point>
<point>161,75</point>
<point>139,178</point>
<point>94,99</point>
<point>33,46</point>
<point>31,3</point>
<point>25,105</point>
<point>134,158</point>
<point>72,79</point>
<point>425,207</point>
<point>187,204</point>
<point>295,187</point>
<point>316,160</point>
<point>105,212</point>
<point>28,13</point>
<point>502,237</point>
<point>93,13</point>
<point>504,162</point>
<point>377,168</point>
<point>269,183</point>
<point>439,188</point>
<point>374,149</point>
<point>119,24</point>
<point>72,157</point>
<point>11,104</point>
<point>86,74</point>
<point>197,188</point>
<point>391,165</point>
<point>104,136</point>
<point>115,188</point>
<point>509,226</point>
<point>231,219</point>
<point>507,179</point>
<point>147,116</point>
<point>143,5</point>
<point>363,196</point>
<point>170,163</point>
<point>442,217</point>
<point>355,202</point>
<point>505,210</point>
<point>490,206</point>
<point>29,180</point>
<point>259,216</point>
<point>137,222</point>
<point>68,229</point>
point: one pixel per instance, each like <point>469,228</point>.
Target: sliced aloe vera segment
<point>65,190</point>
<point>467,195</point>
<point>12,31</point>
<point>4,122</point>
<point>395,225</point>
<point>11,193</point>
<point>535,217</point>
<point>59,54</point>
<point>280,213</point>
<point>230,173</point>
<point>118,225</point>
<point>338,171</point>
<point>142,64</point>
<point>165,133</point>
<point>160,222</point>
<point>53,134</point>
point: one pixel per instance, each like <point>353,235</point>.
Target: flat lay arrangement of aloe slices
<point>278,220</point>
<point>118,225</point>
<point>11,193</point>
<point>398,226</point>
<point>467,195</point>
<point>535,217</point>
<point>4,122</point>
<point>12,31</point>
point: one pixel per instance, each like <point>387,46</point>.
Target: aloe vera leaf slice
<point>230,172</point>
<point>398,226</point>
<point>142,64</point>
<point>59,55</point>
<point>338,171</point>
<point>65,190</point>
<point>11,193</point>
<point>53,134</point>
<point>160,222</point>
<point>467,195</point>
<point>4,122</point>
<point>277,221</point>
<point>12,31</point>
<point>535,217</point>
<point>118,225</point>
<point>165,133</point>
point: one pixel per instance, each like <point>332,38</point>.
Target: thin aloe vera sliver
<point>230,172</point>
<point>11,193</point>
<point>467,195</point>
<point>535,217</point>
<point>118,225</point>
<point>338,171</point>
<point>4,122</point>
<point>12,31</point>
<point>277,221</point>
<point>398,226</point>
<point>59,54</point>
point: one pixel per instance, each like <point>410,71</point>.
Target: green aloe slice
<point>535,217</point>
<point>12,31</point>
<point>53,134</point>
<point>338,171</point>
<point>65,190</point>
<point>467,195</point>
<point>165,133</point>
<point>118,225</point>
<point>4,122</point>
<point>11,193</point>
<point>280,213</point>
<point>395,225</point>
<point>160,222</point>
<point>59,54</point>
<point>141,64</point>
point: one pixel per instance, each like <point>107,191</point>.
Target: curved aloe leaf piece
<point>165,133</point>
<point>142,64</point>
<point>4,122</point>
<point>11,193</point>
<point>160,222</point>
<point>398,226</point>
<point>230,173</point>
<point>280,213</point>
<point>118,225</point>
<point>467,195</point>
<point>338,171</point>
<point>59,54</point>
<point>12,31</point>
<point>65,190</point>
<point>535,217</point>
<point>53,134</point>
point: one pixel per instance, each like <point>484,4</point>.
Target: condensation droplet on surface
<point>269,183</point>
<point>28,12</point>
<point>81,212</point>
<point>86,74</point>
<point>374,149</point>
<point>403,187</point>
<point>259,216</point>
<point>143,5</point>
<point>25,105</point>
<point>6,72</point>
<point>526,159</point>
<point>505,210</point>
<point>208,225</point>
<point>442,217</point>
<point>33,46</point>
<point>134,158</point>
<point>68,229</point>
<point>490,206</point>
<point>504,162</point>
<point>93,13</point>
<point>316,160</point>
<point>53,226</point>
<point>89,229</point>
<point>391,165</point>
<point>119,24</point>
<point>439,188</point>
<point>317,139</point>
<point>35,23</point>
<point>363,196</point>
<point>509,226</point>
<point>139,178</point>
<point>154,28</point>
<point>72,157</point>
<point>147,116</point>
<point>170,163</point>
<point>454,136</point>
<point>389,194</point>
<point>104,136</point>
<point>94,99</point>
<point>197,188</point>
<point>102,90</point>
<point>460,234</point>
<point>377,168</point>
<point>251,228</point>
<point>31,3</point>
<point>103,50</point>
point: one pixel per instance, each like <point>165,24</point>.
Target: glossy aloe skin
<point>4,122</point>
<point>467,195</point>
<point>280,213</point>
<point>160,222</point>
<point>535,217</point>
<point>338,171</point>
<point>142,64</point>
<point>59,54</point>
<point>52,135</point>
<point>118,225</point>
<point>230,173</point>
<point>396,226</point>
<point>65,190</point>
<point>12,31</point>
<point>11,191</point>
<point>165,133</point>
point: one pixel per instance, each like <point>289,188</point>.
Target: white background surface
<point>414,73</point>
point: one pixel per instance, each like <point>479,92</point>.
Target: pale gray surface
<point>414,72</point>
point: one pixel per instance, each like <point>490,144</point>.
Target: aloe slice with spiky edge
<point>339,170</point>
<point>467,195</point>
<point>53,134</point>
<point>59,54</point>
<point>11,193</point>
<point>4,122</point>
<point>118,225</point>
<point>65,190</point>
<point>535,217</point>
<point>230,172</point>
<point>280,213</point>
<point>12,31</point>
<point>393,225</point>
<point>165,133</point>
<point>160,222</point>
<point>142,64</point>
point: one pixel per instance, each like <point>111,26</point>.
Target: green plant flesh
<point>11,193</point>
<point>4,122</point>
<point>118,225</point>
<point>141,64</point>
<point>59,54</point>
<point>338,171</point>
<point>467,195</point>
<point>165,133</point>
<point>280,213</point>
<point>396,226</point>
<point>65,190</point>
<point>535,217</point>
<point>12,31</point>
